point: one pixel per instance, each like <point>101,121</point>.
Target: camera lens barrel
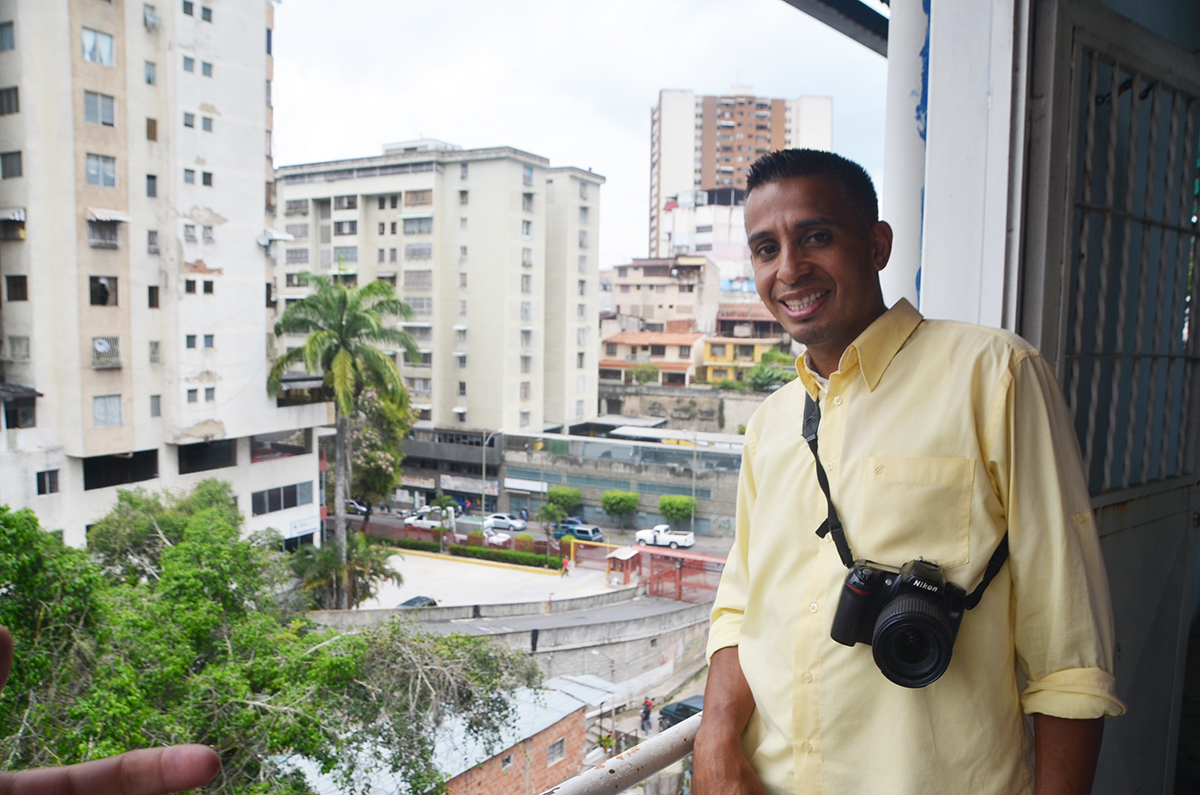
<point>913,640</point>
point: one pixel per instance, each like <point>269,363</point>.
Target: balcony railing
<point>625,770</point>
<point>106,353</point>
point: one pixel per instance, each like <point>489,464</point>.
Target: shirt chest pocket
<point>915,507</point>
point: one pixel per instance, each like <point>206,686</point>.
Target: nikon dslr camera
<point>910,617</point>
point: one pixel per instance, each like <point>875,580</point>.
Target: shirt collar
<point>873,350</point>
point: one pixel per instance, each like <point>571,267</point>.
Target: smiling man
<point>941,444</point>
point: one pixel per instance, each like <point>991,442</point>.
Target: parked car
<point>356,507</point>
<point>418,601</point>
<point>661,535</point>
<point>427,517</point>
<point>494,539</point>
<point>678,712</point>
<point>574,526</point>
<point>504,521</point>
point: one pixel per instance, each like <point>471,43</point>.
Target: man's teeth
<point>805,302</point>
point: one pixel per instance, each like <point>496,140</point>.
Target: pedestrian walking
<point>566,571</point>
<point>646,709</point>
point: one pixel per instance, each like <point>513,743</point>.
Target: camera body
<point>909,616</point>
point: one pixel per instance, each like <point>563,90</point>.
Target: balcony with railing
<point>625,770</point>
<point>106,353</point>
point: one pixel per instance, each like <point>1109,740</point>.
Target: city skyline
<point>575,83</point>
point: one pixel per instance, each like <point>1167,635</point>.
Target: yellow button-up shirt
<point>937,437</point>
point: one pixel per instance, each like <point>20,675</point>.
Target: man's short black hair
<point>792,163</point>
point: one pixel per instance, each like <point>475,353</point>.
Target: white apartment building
<point>711,223</point>
<point>136,200</point>
<point>494,251</point>
<point>703,142</point>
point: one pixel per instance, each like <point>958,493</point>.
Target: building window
<point>583,286</point>
<point>210,394</point>
<point>98,47</point>
<point>10,101</point>
<point>393,228</point>
<point>418,279</point>
<point>189,64</point>
<point>525,390</point>
<point>580,359</point>
<point>421,304</point>
<point>151,73</point>
<point>268,41</point>
<point>206,68</point>
<point>190,341</point>
<point>154,355</point>
<point>193,395</point>
<point>581,335</point>
<point>189,120</point>
<point>462,334</point>
<point>526,283</point>
<point>527,310</point>
<point>102,290</point>
<point>207,178</point>
<point>20,413</point>
<point>583,215</point>
<point>524,419</point>
<point>462,169</point>
<point>345,253</point>
<point>345,202</point>
<point>394,202</point>
<point>526,338</point>
<point>47,482</point>
<point>417,198</point>
<point>610,349</point>
<point>583,190</point>
<point>579,409</point>
<point>187,7</point>
<point>556,751</point>
<point>189,286</point>
<point>297,256</point>
<point>418,226</point>
<point>526,228</point>
<point>462,362</point>
<point>658,350</point>
<point>506,762</point>
<point>526,363</point>
<point>462,224</point>
<point>156,405</point>
<point>380,256</point>
<point>268,93</point>
<point>462,307</point>
<point>462,253</point>
<point>582,310</point>
<point>8,40</point>
<point>528,175</point>
<point>189,176</point>
<point>101,170</point>
<point>207,232</point>
<point>345,227</point>
<point>151,186</point>
<point>204,456</point>
<point>418,251</point>
<point>463,197</point>
<point>298,231</point>
<point>382,225</point>
<point>527,202</point>
<point>462,387</point>
<point>583,238</point>
<point>106,410</point>
<point>16,288</point>
<point>189,233</point>
<point>18,349</point>
<point>152,296</point>
<point>99,108</point>
<point>391,255</point>
<point>206,14</point>
<point>462,417</point>
<point>208,340</point>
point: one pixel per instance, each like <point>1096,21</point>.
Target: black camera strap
<point>833,524</point>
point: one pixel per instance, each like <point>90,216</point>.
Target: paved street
<point>625,611</point>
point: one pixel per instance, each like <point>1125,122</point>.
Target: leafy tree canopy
<point>568,498</point>
<point>377,431</point>
<point>644,372</point>
<point>208,651</point>
<point>621,504</point>
<point>676,507</point>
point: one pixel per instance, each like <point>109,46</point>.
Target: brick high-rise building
<point>704,142</point>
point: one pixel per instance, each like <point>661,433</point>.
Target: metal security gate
<point>1107,290</point>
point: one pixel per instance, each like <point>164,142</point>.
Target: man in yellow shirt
<point>940,441</point>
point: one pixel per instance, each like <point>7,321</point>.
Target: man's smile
<point>803,306</point>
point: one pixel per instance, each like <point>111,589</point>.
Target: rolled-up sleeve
<point>1062,609</point>
<point>730,604</point>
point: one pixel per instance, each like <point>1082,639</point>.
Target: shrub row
<point>507,556</point>
<point>410,543</point>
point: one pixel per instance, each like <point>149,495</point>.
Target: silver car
<point>504,521</point>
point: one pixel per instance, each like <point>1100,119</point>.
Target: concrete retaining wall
<point>344,619</point>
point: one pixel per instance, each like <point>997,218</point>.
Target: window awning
<point>17,391</point>
<point>275,234</point>
<point>288,383</point>
<point>12,214</point>
<point>460,327</point>
<point>460,409</point>
<point>104,214</point>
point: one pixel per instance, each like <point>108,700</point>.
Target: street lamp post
<point>483,476</point>
<point>695,444</point>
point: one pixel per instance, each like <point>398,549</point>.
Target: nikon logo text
<point>925,585</point>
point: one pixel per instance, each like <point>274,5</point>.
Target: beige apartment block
<point>676,294</point>
<point>703,142</point>
<point>494,251</point>
<point>137,210</point>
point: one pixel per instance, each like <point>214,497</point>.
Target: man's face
<point>815,265</point>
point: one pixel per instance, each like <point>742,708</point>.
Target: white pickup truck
<point>663,536</point>
<point>428,517</point>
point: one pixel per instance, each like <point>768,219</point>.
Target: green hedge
<point>507,556</point>
<point>409,543</point>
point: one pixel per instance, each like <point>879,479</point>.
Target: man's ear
<point>880,240</point>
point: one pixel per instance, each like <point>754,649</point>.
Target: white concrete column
<point>903,199</point>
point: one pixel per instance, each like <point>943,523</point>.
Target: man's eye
<point>766,250</point>
<point>819,237</point>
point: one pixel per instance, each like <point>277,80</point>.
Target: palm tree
<point>365,568</point>
<point>343,324</point>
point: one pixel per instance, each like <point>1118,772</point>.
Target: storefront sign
<point>304,526</point>
<point>469,485</point>
<point>413,482</point>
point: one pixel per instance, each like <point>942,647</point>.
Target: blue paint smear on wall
<point>923,105</point>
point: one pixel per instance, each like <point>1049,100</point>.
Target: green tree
<point>366,568</point>
<point>342,325</point>
<point>569,498</point>
<point>774,369</point>
<point>550,513</point>
<point>676,508</point>
<point>207,653</point>
<point>620,504</point>
<point>644,372</point>
<point>377,431</point>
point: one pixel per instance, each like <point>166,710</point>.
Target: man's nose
<point>793,265</point>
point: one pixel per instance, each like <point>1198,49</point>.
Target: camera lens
<point>913,640</point>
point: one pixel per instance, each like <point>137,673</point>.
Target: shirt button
<point>837,401</point>
<point>806,748</point>
<point>829,465</point>
<point>807,677</point>
<point>812,608</point>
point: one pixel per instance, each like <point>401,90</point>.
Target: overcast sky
<point>569,80</point>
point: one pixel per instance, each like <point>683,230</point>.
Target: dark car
<point>574,526</point>
<point>678,712</point>
<point>419,601</point>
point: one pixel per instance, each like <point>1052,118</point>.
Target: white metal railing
<point>637,764</point>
